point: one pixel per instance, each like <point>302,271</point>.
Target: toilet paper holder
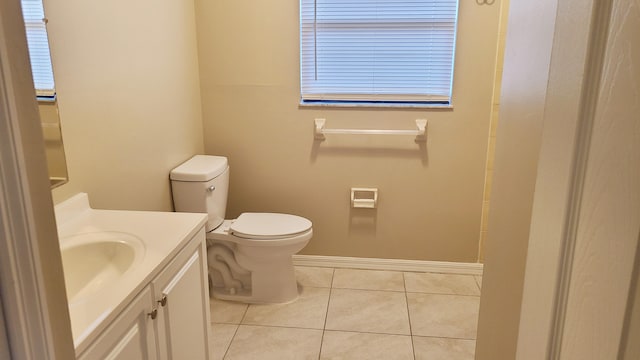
<point>366,198</point>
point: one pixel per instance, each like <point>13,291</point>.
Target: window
<point>37,40</point>
<point>388,51</point>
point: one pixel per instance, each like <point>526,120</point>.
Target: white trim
<point>20,276</point>
<point>594,61</point>
<point>555,176</point>
<point>388,264</point>
<point>33,319</point>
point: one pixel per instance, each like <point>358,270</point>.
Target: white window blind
<point>377,50</point>
<point>38,43</point>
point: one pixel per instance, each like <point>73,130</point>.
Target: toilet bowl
<point>250,257</point>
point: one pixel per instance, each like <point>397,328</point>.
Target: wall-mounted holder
<point>366,198</point>
<point>319,131</point>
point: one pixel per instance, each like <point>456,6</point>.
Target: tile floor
<point>355,314</point>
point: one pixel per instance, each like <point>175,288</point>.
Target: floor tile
<point>221,335</point>
<point>368,311</point>
<point>452,316</point>
<point>353,346</point>
<point>229,312</point>
<point>308,311</point>
<point>274,343</point>
<point>427,348</point>
<point>441,283</point>
<point>314,276</point>
<point>368,280</point>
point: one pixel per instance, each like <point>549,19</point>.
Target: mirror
<point>54,146</point>
<point>42,70</point>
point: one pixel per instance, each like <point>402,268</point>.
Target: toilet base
<point>238,276</point>
<point>272,281</point>
<point>263,269</point>
<point>244,296</point>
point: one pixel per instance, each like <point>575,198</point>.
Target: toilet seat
<point>268,226</point>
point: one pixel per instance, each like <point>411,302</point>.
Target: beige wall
<point>430,199</point>
<point>128,91</point>
<point>519,135</point>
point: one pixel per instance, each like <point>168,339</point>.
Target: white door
<point>181,291</point>
<point>130,336</point>
<point>608,217</point>
<point>591,277</point>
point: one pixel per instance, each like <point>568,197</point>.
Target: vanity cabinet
<point>130,336</point>
<point>182,299</point>
<point>168,319</point>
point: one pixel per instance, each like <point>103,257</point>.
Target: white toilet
<point>249,257</point>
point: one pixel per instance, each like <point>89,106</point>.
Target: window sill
<point>374,105</point>
<point>46,99</point>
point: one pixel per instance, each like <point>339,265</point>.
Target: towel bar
<point>420,133</point>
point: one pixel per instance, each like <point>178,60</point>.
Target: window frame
<point>372,99</point>
<point>39,50</point>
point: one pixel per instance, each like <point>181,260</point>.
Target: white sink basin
<point>94,261</point>
<point>110,256</point>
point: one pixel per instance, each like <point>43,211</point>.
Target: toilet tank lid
<point>200,168</point>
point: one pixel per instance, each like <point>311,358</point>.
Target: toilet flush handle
<point>211,188</point>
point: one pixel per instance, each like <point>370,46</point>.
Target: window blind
<point>377,50</point>
<point>37,40</point>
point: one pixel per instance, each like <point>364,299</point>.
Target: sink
<point>95,261</point>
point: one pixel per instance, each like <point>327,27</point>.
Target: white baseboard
<point>388,264</point>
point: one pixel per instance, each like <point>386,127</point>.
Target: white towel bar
<point>420,133</point>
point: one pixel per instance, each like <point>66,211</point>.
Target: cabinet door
<point>130,336</point>
<point>182,293</point>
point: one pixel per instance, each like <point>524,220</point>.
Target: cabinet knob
<point>163,301</point>
<point>153,314</point>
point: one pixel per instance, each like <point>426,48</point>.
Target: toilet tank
<point>200,185</point>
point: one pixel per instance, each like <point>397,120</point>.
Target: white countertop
<point>164,234</point>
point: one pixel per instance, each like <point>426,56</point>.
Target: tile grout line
<point>230,342</point>
<point>360,289</point>
<point>443,294</point>
<point>235,332</point>
<point>344,331</point>
<point>409,292</point>
<point>278,326</point>
<point>444,337</point>
<point>326,314</point>
<point>406,298</point>
<point>244,314</point>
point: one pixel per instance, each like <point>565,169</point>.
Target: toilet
<point>249,258</point>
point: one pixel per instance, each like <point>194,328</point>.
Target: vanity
<point>136,282</point>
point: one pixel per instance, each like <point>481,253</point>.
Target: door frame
<point>35,317</point>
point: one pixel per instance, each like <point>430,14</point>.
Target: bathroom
<point>142,87</point>
<point>174,63</point>
<point>430,199</point>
